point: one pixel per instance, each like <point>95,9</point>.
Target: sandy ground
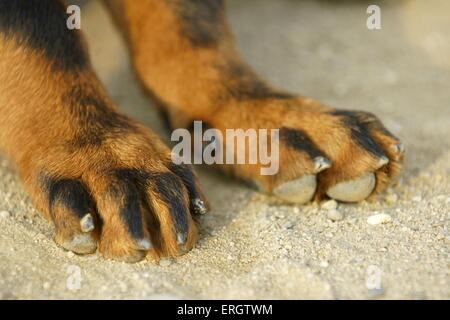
<point>251,246</point>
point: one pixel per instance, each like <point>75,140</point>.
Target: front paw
<point>124,197</point>
<point>323,152</point>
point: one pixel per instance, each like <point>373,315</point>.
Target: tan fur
<point>42,131</point>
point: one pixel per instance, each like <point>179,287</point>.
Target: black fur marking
<point>126,189</point>
<point>69,193</point>
<point>360,129</point>
<point>201,20</point>
<point>169,188</point>
<point>242,83</point>
<point>205,126</point>
<point>373,123</point>
<point>186,174</point>
<point>299,140</point>
<point>97,121</point>
<point>41,25</point>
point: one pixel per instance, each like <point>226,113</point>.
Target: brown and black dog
<point>106,180</point>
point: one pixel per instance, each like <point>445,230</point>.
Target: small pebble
<point>335,215</point>
<point>391,198</point>
<point>324,264</point>
<point>329,205</point>
<point>70,254</point>
<point>289,225</point>
<point>379,218</point>
<point>440,236</point>
<point>4,214</point>
<point>417,199</point>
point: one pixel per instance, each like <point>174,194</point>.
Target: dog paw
<point>345,155</point>
<point>119,193</point>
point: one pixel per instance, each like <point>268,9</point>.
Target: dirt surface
<point>250,245</point>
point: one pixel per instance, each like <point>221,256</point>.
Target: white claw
<point>87,223</point>
<point>181,238</point>
<point>144,244</point>
<point>383,161</point>
<point>199,206</point>
<point>398,148</point>
<point>321,163</point>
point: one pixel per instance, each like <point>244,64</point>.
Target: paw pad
<point>297,191</point>
<point>353,190</point>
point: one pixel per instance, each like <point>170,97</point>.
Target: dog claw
<point>199,206</point>
<point>87,223</point>
<point>321,163</point>
<point>144,244</point>
<point>181,238</point>
<point>398,148</point>
<point>383,161</point>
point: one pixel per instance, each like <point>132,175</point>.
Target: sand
<point>251,246</point>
